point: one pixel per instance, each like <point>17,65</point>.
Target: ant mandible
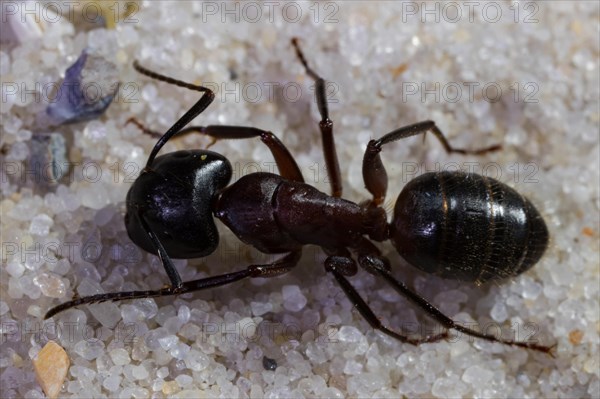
<point>456,225</point>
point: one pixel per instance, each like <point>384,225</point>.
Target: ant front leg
<point>193,112</point>
<point>374,174</point>
<point>277,268</point>
<point>326,126</point>
<point>288,168</point>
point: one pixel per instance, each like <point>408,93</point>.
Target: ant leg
<point>288,168</point>
<point>193,112</point>
<point>341,267</point>
<point>325,125</point>
<point>140,125</point>
<point>285,161</point>
<point>374,174</point>
<point>380,266</point>
<point>279,267</point>
<point>168,265</point>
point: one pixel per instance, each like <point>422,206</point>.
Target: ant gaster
<point>456,225</point>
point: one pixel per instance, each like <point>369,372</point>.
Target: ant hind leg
<point>374,174</point>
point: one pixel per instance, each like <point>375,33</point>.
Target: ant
<point>456,225</point>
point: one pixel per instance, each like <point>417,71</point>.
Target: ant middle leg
<point>374,174</point>
<point>341,265</point>
<point>325,125</point>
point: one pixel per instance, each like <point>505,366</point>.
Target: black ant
<point>456,225</point>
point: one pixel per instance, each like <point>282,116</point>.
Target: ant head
<point>175,195</point>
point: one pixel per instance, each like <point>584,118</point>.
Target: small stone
<point>260,308</point>
<point>162,372</point>
<point>48,158</point>
<point>477,376</point>
<point>448,388</point>
<point>183,313</point>
<point>54,203</point>
<point>293,299</point>
<point>51,365</point>
<point>112,383</point>
<point>61,266</point>
<point>168,342</point>
<point>195,361</point>
<point>94,196</point>
<point>18,152</point>
<point>139,372</point>
<point>107,313</point>
<point>184,380</point>
<point>315,353</point>
<point>190,331</point>
<point>349,334</point>
<point>179,351</point>
<point>269,364</point>
<point>29,288</point>
<point>40,225</point>
<point>89,349</point>
<point>120,356</point>
<point>170,388</point>
<point>248,328</point>
<point>531,289</point>
<point>88,89</point>
<point>15,268</point>
<point>591,365</point>
<point>575,336</point>
<point>153,337</point>
<point>83,373</point>
<point>50,285</point>
<point>499,313</point>
<point>157,385</point>
<point>353,367</point>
